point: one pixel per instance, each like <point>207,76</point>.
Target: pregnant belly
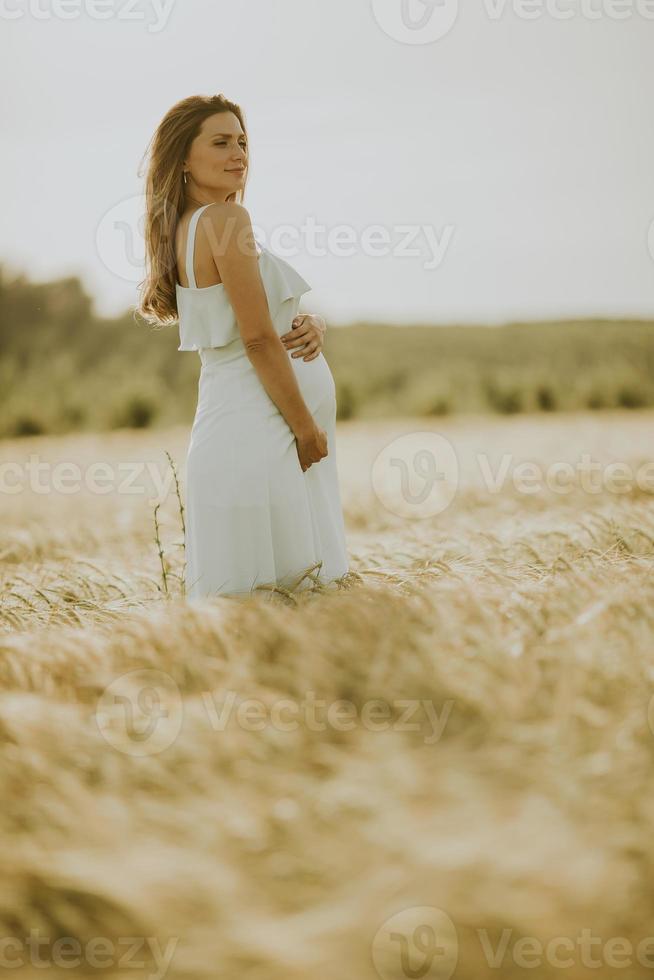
<point>233,390</point>
<point>317,386</point>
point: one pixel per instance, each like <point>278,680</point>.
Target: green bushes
<point>531,367</point>
<point>25,424</point>
<point>346,403</point>
<point>138,411</point>
<point>64,368</point>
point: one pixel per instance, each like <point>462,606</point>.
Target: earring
<point>184,175</point>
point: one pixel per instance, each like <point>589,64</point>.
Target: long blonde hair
<point>165,199</point>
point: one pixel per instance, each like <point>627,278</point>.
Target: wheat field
<point>440,768</point>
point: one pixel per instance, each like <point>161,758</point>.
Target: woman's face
<point>218,158</point>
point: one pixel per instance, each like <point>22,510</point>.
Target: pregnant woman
<point>262,495</point>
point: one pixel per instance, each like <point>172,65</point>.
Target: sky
<point>485,163</point>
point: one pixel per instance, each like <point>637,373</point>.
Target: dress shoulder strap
<point>190,244</point>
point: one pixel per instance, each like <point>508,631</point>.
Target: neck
<point>192,201</point>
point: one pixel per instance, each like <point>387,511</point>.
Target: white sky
<point>531,140</point>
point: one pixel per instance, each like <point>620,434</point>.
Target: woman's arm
<point>232,243</point>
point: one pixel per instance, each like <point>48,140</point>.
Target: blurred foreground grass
<point>524,619</point>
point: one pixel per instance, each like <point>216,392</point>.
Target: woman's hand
<point>311,446</point>
<point>308,334</point>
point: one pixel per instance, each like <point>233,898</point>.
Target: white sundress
<point>253,518</point>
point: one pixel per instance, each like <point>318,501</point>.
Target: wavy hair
<point>165,199</point>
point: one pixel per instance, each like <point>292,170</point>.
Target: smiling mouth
<point>239,170</point>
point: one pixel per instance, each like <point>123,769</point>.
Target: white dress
<point>253,518</point>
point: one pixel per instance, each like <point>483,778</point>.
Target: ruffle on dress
<point>207,319</point>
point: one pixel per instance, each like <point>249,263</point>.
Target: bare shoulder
<point>229,229</point>
<point>233,246</point>
<point>220,213</point>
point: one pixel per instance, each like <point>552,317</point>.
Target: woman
<point>263,501</point>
